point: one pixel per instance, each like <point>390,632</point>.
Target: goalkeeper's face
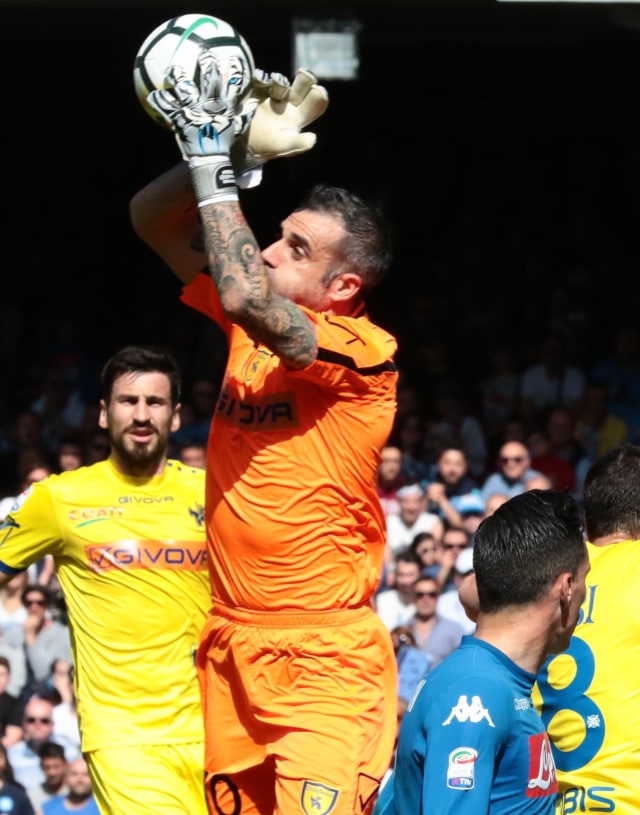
<point>139,417</point>
<point>304,263</point>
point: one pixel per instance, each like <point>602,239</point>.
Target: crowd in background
<point>516,312</point>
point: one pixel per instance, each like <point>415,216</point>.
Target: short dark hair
<point>141,359</point>
<point>611,494</point>
<point>49,749</point>
<point>366,248</point>
<point>524,545</point>
<point>4,663</point>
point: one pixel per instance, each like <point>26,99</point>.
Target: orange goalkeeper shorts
<point>300,711</point>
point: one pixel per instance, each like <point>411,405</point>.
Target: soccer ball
<point>179,41</point>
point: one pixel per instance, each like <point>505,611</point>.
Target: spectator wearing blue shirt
<point>514,470</point>
<point>79,798</point>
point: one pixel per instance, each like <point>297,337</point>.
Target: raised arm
<point>165,215</point>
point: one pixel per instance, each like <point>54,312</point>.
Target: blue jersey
<point>56,806</point>
<point>472,741</point>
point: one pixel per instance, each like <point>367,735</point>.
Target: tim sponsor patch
<point>461,771</point>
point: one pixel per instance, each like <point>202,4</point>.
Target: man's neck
<point>518,634</point>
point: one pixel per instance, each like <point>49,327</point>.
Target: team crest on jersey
<point>317,799</point>
<point>197,514</point>
<point>473,712</point>
<point>542,768</point>
<point>461,770</point>
<point>259,358</point>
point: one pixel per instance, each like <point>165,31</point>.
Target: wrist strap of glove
<point>213,180</point>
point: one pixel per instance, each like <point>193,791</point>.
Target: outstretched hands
<point>277,111</point>
<point>205,119</point>
<point>211,120</point>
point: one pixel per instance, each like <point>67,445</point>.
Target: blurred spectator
<point>13,798</point>
<point>620,373</point>
<point>436,636</point>
<point>539,482</point>
<point>598,429</point>
<point>411,519</point>
<point>551,381</point>
<point>561,430</point>
<point>450,481</point>
<point>514,469</point>
<point>424,547</point>
<point>79,797</point>
<point>12,609</point>
<point>59,406</point>
<point>17,667</point>
<point>66,729</point>
<point>559,472</point>
<point>53,763</point>
<point>24,442</point>
<point>390,479</point>
<point>472,509</point>
<point>197,412</point>
<point>499,392</point>
<point>10,708</point>
<point>37,725</point>
<point>396,606</point>
<point>409,435</point>
<point>413,664</point>
<point>456,426</point>
<point>97,446</point>
<point>454,540</point>
<point>34,465</point>
<point>193,454</point>
<point>42,638</point>
<point>497,499</point>
<point>70,455</point>
<point>449,605</point>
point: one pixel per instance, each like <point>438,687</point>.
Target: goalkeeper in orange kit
<point>297,671</point>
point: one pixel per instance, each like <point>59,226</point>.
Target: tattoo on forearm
<point>237,269</point>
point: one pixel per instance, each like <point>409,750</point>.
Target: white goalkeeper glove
<point>205,122</point>
<point>277,111</point>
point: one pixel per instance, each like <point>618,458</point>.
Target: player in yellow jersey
<point>590,695</point>
<point>298,671</point>
<point>127,536</point>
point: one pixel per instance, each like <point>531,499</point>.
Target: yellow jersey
<point>589,696</point>
<point>130,555</point>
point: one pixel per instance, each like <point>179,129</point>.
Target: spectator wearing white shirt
<point>449,605</point>
<point>396,606</point>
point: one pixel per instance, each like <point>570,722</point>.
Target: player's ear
<point>346,286</point>
<point>565,587</point>
<point>176,419</point>
<point>102,418</point>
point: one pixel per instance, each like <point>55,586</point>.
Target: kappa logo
<point>317,799</point>
<point>465,712</point>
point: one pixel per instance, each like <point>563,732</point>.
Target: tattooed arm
<point>245,290</point>
<point>165,215</point>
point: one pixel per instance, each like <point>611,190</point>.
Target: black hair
<point>49,749</point>
<point>141,359</point>
<point>521,548</point>
<point>611,494</point>
<point>366,248</point>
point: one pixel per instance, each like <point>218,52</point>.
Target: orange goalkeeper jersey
<point>293,518</point>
